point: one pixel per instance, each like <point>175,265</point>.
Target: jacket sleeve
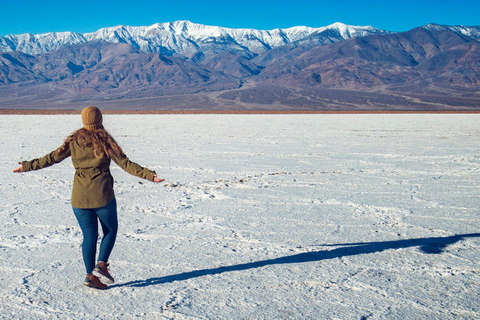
<point>45,161</point>
<point>133,168</point>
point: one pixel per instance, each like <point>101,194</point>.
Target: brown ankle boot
<point>93,282</point>
<point>101,271</point>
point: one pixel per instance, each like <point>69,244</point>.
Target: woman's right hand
<point>19,169</point>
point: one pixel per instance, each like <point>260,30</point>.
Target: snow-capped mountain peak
<point>178,37</point>
<point>348,31</point>
<point>471,32</point>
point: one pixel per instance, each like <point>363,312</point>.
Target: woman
<point>92,149</point>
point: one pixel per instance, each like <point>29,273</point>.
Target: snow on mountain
<point>179,37</point>
<point>347,31</point>
<point>39,43</point>
<point>471,32</point>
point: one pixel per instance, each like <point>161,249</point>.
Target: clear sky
<point>40,16</point>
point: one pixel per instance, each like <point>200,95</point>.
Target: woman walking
<point>92,148</point>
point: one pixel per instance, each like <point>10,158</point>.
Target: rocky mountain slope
<point>425,54</point>
<point>182,65</point>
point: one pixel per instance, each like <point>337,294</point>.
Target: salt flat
<point>260,217</point>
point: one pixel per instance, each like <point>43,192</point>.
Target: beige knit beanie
<point>92,118</point>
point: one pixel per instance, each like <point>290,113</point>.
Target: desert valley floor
<point>372,216</point>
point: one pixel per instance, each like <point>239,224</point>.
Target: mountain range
<point>183,65</point>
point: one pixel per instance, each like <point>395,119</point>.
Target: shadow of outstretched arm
<point>434,245</point>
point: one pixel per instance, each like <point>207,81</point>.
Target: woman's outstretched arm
<point>43,162</point>
<point>135,169</point>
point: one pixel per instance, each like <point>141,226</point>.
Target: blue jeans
<point>88,221</point>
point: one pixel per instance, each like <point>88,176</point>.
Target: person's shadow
<point>434,245</point>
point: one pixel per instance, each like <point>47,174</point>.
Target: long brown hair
<point>103,143</point>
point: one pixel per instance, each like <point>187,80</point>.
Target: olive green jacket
<point>93,183</point>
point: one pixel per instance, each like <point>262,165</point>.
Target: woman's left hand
<point>157,179</point>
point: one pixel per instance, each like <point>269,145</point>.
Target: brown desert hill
<point>16,67</point>
<point>102,66</point>
<point>232,64</point>
<point>442,57</point>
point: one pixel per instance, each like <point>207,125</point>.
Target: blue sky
<point>40,16</point>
